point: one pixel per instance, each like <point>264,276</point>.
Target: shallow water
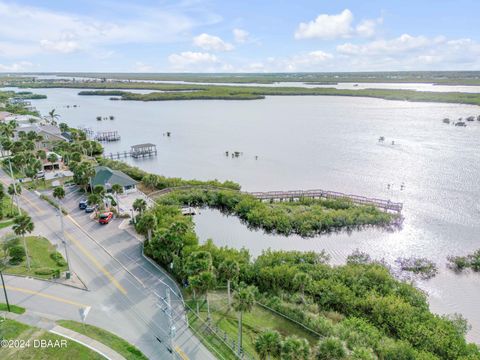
<point>319,142</point>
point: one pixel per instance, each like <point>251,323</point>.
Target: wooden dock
<point>384,205</point>
<point>136,152</point>
<point>107,136</point>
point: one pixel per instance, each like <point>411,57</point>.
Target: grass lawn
<point>254,323</point>
<point>43,185</point>
<point>5,224</point>
<point>8,210</point>
<point>40,251</point>
<point>13,308</point>
<point>124,348</point>
<point>10,329</point>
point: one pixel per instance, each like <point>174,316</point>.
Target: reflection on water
<point>321,142</point>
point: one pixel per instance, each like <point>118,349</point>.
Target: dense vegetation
<point>212,92</point>
<point>360,307</point>
<point>436,77</point>
<point>306,217</point>
<point>159,182</point>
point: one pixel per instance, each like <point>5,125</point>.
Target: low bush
<point>17,254</point>
<point>44,271</point>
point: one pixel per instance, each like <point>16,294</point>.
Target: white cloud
<point>211,42</point>
<point>326,26</point>
<point>15,67</point>
<point>408,52</point>
<point>336,26</point>
<point>27,30</point>
<point>67,44</point>
<point>240,35</point>
<point>190,60</point>
<point>367,28</point>
<point>403,43</point>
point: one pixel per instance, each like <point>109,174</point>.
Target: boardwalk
<point>385,205</point>
<point>136,152</point>
<point>382,204</point>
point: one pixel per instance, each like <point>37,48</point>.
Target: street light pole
<point>171,327</point>
<point>64,241</point>
<point>5,291</point>
<point>14,186</point>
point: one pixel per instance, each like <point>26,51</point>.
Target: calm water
<point>320,142</point>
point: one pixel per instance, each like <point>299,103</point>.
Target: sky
<point>238,36</point>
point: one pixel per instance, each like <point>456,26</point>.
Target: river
<point>331,143</point>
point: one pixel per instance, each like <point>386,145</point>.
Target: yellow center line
<point>96,263</point>
<point>35,206</point>
<point>181,353</point>
<point>51,297</point>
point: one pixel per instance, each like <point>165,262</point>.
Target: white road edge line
<point>81,343</point>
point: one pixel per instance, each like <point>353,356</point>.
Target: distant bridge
<point>385,205</point>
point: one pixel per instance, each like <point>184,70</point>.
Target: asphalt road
<point>126,292</point>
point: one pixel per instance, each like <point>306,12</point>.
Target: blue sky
<point>239,36</point>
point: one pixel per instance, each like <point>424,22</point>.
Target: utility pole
<point>171,327</point>
<point>5,291</point>
<point>64,241</point>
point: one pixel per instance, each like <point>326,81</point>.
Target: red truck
<point>105,218</point>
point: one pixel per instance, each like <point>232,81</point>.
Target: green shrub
<point>44,271</point>
<point>17,254</point>
<point>58,258</point>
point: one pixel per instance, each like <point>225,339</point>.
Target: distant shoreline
<point>221,92</point>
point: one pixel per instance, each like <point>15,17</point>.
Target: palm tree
<point>14,190</point>
<point>52,158</point>
<point>147,222</point>
<point>229,270</point>
<point>63,127</point>
<point>94,199</point>
<point>295,348</point>
<point>41,154</point>
<point>139,205</point>
<point>22,224</point>
<point>243,301</point>
<point>268,343</point>
<point>302,280</point>
<point>53,116</point>
<point>59,194</point>
<point>202,284</point>
<point>117,189</point>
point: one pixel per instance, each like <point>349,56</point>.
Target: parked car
<point>40,175</point>
<point>90,208</point>
<point>105,218</point>
<point>82,205</point>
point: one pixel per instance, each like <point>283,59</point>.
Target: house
<point>107,177</point>
<point>56,165</point>
<point>49,134</point>
<point>23,119</point>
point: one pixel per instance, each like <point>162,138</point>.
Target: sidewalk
<point>47,323</point>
